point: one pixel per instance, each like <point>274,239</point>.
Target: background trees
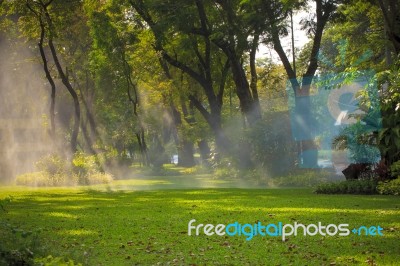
<point>142,80</point>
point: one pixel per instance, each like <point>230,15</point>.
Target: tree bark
<point>50,79</point>
<point>64,79</point>
<point>248,96</point>
<point>47,71</point>
<point>204,152</point>
<point>134,100</point>
<point>249,106</point>
<point>74,95</point>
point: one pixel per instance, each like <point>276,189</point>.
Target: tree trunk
<point>305,122</point>
<point>185,146</point>
<point>50,79</point>
<point>74,95</point>
<point>88,139</point>
<point>204,152</point>
<point>214,121</point>
<point>91,136</point>
<point>65,81</point>
<point>248,104</point>
<point>253,72</point>
<point>185,154</point>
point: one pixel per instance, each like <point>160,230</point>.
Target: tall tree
<point>112,51</point>
<point>46,70</point>
<point>324,10</point>
<point>37,18</point>
<point>231,34</point>
<point>192,54</point>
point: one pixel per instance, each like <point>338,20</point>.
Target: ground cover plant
<point>134,222</point>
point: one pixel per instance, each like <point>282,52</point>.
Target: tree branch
<point>202,110</point>
<point>224,75</point>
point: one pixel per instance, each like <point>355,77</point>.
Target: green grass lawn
<point>110,226</point>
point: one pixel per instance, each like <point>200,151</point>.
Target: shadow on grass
<point>112,227</point>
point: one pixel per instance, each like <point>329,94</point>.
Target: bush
<point>348,187</point>
<point>391,187</point>
<point>395,169</point>
<point>307,178</point>
<point>53,165</point>
<point>95,178</point>
<point>43,179</point>
<point>55,171</point>
<point>83,164</point>
<point>227,173</point>
<point>39,179</point>
<point>272,144</point>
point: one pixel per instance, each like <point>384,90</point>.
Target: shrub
<point>85,164</point>
<point>43,179</point>
<point>94,178</point>
<point>272,144</point>
<point>391,187</point>
<point>55,171</point>
<point>227,173</point>
<point>307,178</point>
<point>395,169</point>
<point>53,165</point>
<point>348,187</point>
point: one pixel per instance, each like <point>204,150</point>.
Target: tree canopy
<point>142,80</point>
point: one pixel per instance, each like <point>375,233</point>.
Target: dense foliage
<point>146,81</point>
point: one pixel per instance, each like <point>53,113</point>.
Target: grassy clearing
<point>107,226</point>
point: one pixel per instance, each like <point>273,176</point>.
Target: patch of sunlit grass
<point>62,215</point>
<point>122,227</point>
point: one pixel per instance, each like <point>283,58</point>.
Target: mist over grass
<point>24,109</point>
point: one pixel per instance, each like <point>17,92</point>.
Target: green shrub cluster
<point>391,187</point>
<point>42,179</point>
<point>272,144</point>
<point>94,178</point>
<point>56,171</point>
<point>227,173</point>
<point>309,178</point>
<point>395,169</point>
<point>348,187</point>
